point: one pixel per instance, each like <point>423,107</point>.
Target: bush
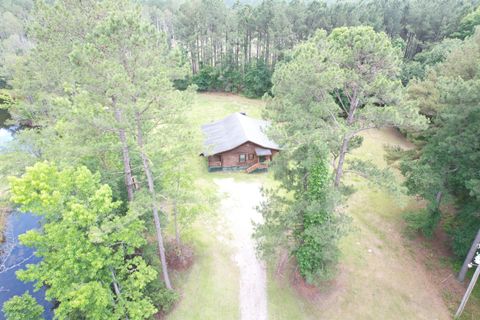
<point>207,79</point>
<point>424,221</point>
<point>317,253</point>
<point>6,100</point>
<point>161,297</point>
<point>254,83</point>
<point>463,227</point>
<point>258,80</point>
<point>231,80</point>
<point>182,84</point>
<point>22,307</point>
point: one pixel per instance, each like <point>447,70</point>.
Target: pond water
<point>5,130</point>
<point>17,223</point>
<point>10,286</point>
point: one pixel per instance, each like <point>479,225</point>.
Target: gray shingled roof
<point>234,130</point>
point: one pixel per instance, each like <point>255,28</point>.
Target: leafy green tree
<point>257,80</point>
<point>23,307</point>
<point>144,69</point>
<point>186,197</point>
<point>6,101</point>
<point>54,108</point>
<point>417,68</point>
<point>207,79</point>
<point>353,87</point>
<point>119,87</point>
<point>447,162</point>
<point>468,24</point>
<point>13,40</point>
<point>300,219</point>
<point>88,248</point>
<point>317,253</point>
<point>332,88</point>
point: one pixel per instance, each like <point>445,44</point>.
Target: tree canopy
<point>88,248</point>
<point>447,163</point>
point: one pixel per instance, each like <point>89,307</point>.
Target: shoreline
<point>4,211</point>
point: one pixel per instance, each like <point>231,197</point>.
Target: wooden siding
<point>231,158</point>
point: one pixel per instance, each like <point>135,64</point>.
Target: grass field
<point>381,273</point>
<point>210,289</point>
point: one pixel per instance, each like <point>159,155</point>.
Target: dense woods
<point>446,162</point>
<point>231,48</point>
<point>93,97</point>
<point>235,47</point>
<point>100,92</point>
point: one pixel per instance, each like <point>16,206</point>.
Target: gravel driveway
<point>239,200</point>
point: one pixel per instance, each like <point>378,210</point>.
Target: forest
<point>375,105</point>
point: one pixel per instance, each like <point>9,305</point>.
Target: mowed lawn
<point>210,290</point>
<point>379,276</point>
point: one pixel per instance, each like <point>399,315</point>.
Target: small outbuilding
<point>238,142</point>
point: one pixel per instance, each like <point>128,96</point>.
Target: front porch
<point>258,167</point>
<point>264,156</point>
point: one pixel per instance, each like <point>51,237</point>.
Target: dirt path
<point>239,200</point>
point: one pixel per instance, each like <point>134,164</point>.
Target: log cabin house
<point>238,142</point>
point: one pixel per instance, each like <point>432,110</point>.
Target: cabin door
<point>262,159</point>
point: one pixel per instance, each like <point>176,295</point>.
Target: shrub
<point>463,227</point>
<point>424,221</point>
<point>258,80</point>
<point>22,307</point>
<point>317,253</point>
<point>231,80</point>
<point>207,79</point>
<point>161,297</point>
<point>182,84</point>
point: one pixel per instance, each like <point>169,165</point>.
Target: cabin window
<point>242,157</point>
<point>250,156</point>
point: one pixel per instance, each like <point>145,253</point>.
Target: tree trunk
<point>116,287</point>
<point>438,200</point>
<point>198,54</point>
<point>267,48</point>
<point>151,189</point>
<point>471,285</point>
<point>468,259</point>
<point>346,140</point>
<point>175,215</point>
<point>245,51</point>
<point>259,38</point>
<point>341,160</point>
<point>249,47</point>
<point>125,153</point>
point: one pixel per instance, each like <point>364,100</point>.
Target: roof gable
<point>234,130</point>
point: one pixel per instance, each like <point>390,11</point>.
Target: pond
<point>11,252</point>
<point>5,130</point>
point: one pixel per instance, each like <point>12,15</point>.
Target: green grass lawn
<point>379,278</point>
<point>210,290</point>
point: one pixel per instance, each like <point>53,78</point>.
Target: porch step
<point>256,166</point>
